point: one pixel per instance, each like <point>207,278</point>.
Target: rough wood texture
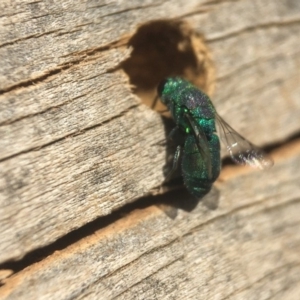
<point>247,247</point>
<point>76,145</point>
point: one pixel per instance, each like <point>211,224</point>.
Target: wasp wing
<point>202,144</point>
<point>241,150</point>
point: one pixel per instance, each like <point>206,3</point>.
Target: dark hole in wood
<point>166,48</point>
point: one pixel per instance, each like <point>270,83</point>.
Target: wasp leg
<point>176,137</point>
<point>176,160</point>
<point>154,102</point>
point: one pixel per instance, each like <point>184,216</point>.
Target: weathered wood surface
<point>246,248</point>
<point>77,145</point>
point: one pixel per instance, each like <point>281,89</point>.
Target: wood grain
<point>249,244</point>
<point>77,144</point>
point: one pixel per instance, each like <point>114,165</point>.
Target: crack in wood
<point>216,2</point>
<point>12,121</point>
<point>82,131</point>
<point>68,32</point>
<point>89,229</point>
<point>63,67</point>
<point>132,9</point>
<point>257,27</point>
<point>193,13</point>
<point>206,7</point>
<point>37,35</point>
<point>38,17</point>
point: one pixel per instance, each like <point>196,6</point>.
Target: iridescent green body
<point>194,115</point>
<point>194,171</point>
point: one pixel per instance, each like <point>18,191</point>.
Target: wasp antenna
<point>154,102</point>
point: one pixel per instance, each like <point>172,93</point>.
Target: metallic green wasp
<point>195,133</point>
